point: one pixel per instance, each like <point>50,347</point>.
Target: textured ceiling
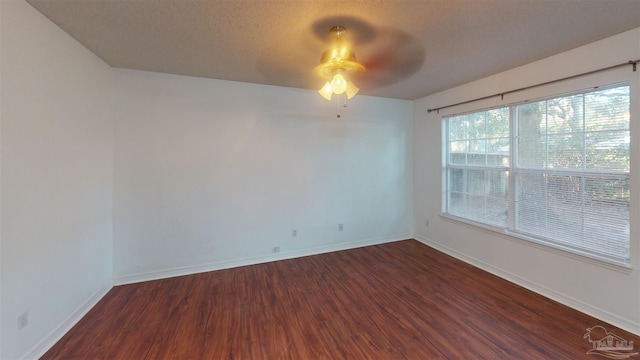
<point>411,48</point>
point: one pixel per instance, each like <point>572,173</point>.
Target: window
<point>554,171</point>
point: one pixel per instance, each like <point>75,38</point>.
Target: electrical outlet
<point>294,233</point>
<point>426,223</point>
<point>340,227</point>
<point>23,320</point>
<point>276,249</point>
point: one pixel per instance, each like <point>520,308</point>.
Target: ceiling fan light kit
<point>338,66</point>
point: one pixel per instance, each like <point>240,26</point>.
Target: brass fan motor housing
<point>339,59</point>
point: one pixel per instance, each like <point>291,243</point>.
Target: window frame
<point>513,168</point>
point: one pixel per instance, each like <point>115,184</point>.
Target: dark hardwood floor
<point>401,300</point>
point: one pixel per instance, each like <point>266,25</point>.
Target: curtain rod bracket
<point>634,65</point>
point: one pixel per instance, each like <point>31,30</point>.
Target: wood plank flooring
<point>402,300</point>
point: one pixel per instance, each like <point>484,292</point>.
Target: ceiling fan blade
<point>394,56</point>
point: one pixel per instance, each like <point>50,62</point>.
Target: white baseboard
<point>564,299</point>
<point>219,265</point>
<point>56,334</point>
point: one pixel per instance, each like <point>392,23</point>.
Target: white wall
<point>56,145</point>
<point>210,174</point>
<point>606,293</point>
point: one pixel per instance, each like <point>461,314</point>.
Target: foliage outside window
<point>554,171</point>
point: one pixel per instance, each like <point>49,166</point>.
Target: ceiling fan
<point>386,55</point>
<point>338,66</point>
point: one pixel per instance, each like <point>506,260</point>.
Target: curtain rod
<point>502,94</point>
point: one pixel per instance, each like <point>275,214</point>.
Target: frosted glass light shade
<point>352,90</point>
<point>326,91</point>
<point>338,84</point>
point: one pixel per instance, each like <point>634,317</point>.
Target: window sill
<point>540,244</point>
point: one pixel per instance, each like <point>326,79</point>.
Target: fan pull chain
<point>342,103</point>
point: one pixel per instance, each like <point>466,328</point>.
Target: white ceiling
<point>411,48</point>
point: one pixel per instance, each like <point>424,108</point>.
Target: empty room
<point>204,179</point>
